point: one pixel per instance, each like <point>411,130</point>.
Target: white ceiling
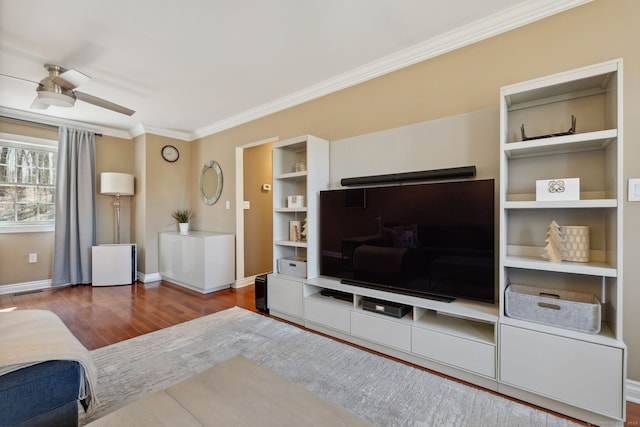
<point>195,67</point>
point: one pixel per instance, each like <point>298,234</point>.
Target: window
<point>27,183</point>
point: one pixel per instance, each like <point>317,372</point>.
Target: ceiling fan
<point>58,89</point>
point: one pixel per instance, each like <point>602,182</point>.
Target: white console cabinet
<point>201,261</point>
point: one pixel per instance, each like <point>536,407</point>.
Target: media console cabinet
<point>578,374</point>
<point>459,339</point>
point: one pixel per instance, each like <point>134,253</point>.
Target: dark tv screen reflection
<point>433,240</point>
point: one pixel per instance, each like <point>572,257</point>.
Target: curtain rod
<point>32,123</point>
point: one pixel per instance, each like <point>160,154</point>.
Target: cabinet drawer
<point>466,354</point>
<point>329,315</point>
<point>580,373</point>
<point>285,295</point>
<point>387,332</point>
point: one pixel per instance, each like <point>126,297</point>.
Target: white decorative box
<point>558,189</point>
<point>564,309</point>
<point>295,201</point>
<point>293,266</point>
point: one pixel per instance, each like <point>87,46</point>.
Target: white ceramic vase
<point>184,227</point>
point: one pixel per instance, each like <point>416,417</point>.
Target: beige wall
<point>114,155</point>
<point>469,80</point>
<point>258,225</point>
<point>168,186</point>
<point>140,200</point>
<point>214,217</point>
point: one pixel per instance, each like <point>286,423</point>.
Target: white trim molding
<point>241,283</point>
<point>25,287</point>
<point>633,391</point>
<point>29,116</point>
<point>147,278</point>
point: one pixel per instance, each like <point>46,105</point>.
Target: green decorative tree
<point>554,248</point>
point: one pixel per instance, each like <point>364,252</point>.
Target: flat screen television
<point>433,240</point>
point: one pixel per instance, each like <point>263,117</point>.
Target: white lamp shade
<point>114,183</point>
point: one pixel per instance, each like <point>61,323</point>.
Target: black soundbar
<point>448,173</point>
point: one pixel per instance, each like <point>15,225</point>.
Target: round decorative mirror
<point>211,182</point>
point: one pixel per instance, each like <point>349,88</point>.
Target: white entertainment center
<point>575,373</point>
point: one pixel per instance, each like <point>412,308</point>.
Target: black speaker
<point>261,293</point>
<point>448,173</point>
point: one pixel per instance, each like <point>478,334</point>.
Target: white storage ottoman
<point>565,309</point>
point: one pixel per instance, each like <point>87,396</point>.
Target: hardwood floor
<point>99,316</point>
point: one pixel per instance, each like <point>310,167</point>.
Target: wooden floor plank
<point>100,316</point>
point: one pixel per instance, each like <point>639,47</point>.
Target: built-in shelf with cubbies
<point>578,373</point>
<point>300,170</point>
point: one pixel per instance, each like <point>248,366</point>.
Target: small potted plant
<point>183,217</point>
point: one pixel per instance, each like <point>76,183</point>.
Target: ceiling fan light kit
<point>51,93</point>
<point>58,89</point>
<point>59,99</point>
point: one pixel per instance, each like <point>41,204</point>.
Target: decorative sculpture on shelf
<point>294,231</point>
<point>303,234</point>
<point>571,131</point>
<point>554,249</point>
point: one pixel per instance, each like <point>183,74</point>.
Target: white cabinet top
<point>194,233</point>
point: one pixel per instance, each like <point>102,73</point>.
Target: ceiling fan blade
<point>103,103</point>
<point>38,105</point>
<point>71,79</point>
<point>19,78</point>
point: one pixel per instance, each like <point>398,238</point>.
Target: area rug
<point>218,397</point>
<point>382,391</point>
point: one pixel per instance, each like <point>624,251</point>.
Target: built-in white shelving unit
<point>577,373</point>
<point>300,168</point>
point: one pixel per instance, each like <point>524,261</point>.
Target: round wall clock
<point>170,153</point>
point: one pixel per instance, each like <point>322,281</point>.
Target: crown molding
<point>135,131</point>
<point>169,133</point>
<point>43,119</point>
<point>517,16</point>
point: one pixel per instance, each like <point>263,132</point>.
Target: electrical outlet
<point>33,258</point>
<point>634,190</point>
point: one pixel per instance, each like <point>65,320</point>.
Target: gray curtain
<point>75,227</point>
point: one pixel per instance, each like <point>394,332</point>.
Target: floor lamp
<point>116,184</point>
